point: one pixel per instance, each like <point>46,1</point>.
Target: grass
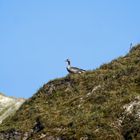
<point>88,106</point>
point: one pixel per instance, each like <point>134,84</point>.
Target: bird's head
<point>68,61</point>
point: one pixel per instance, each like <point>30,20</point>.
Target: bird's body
<point>73,69</point>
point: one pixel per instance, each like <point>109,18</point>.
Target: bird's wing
<point>77,69</point>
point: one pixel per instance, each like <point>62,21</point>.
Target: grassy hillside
<point>103,104</point>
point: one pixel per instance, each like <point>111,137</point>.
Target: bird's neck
<point>68,62</point>
<point>68,66</point>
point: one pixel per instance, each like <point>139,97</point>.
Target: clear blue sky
<point>36,36</point>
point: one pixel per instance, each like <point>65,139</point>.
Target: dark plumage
<point>73,69</point>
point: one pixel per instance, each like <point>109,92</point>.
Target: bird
<point>73,69</point>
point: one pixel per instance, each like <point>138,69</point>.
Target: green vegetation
<point>93,105</point>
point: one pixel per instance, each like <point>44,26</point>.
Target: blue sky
<point>36,36</point>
